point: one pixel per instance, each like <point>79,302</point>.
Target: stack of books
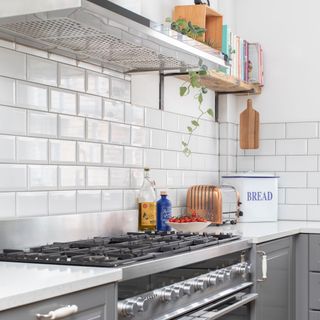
<point>246,59</point>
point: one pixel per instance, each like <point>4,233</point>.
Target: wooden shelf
<point>221,83</point>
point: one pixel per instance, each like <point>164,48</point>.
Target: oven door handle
<point>212,315</point>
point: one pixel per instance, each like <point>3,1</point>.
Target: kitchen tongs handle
<point>59,313</point>
<point>264,266</point>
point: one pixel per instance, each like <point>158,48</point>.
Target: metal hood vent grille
<point>96,34</point>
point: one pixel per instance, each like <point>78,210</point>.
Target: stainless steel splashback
<point>25,233</point>
<point>101,32</point>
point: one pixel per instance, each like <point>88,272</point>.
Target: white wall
<point>287,30</point>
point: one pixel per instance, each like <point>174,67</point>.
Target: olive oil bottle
<point>147,204</point>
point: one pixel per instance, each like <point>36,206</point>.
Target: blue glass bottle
<point>164,212</point>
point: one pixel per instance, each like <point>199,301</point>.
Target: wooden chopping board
<point>249,127</point>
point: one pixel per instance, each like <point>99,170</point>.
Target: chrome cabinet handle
<point>59,313</point>
<point>264,266</point>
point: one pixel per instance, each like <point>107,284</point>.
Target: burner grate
<point>116,251</point>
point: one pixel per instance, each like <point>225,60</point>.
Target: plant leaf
<point>168,19</point>
<point>200,98</point>
<point>184,143</point>
<point>204,90</point>
<point>195,123</point>
<point>210,112</point>
<point>187,152</point>
<point>189,129</point>
<point>183,91</point>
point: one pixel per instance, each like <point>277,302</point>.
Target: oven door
<point>233,307</point>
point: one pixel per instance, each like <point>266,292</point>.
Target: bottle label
<point>148,213</point>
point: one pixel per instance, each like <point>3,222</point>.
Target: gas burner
<point>116,251</point>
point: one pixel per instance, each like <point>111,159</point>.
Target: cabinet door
<point>98,303</point>
<point>276,292</point>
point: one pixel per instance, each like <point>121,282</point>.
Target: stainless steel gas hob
<point>165,275</point>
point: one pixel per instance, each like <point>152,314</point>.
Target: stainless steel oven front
<point>215,288</point>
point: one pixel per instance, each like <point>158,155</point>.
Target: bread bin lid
<point>251,175</point>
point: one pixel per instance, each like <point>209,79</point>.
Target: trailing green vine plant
<point>194,83</point>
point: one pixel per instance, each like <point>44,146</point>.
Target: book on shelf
<point>245,58</point>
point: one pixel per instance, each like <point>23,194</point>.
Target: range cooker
<point>166,275</point>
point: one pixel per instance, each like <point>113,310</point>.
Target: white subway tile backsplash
<point>266,148</point>
<point>7,44</point>
<point>32,96</point>
<point>62,202</point>
<point>281,195</point>
<point>88,201</point>
<point>245,163</point>
<point>136,178</point>
<point>130,199</point>
<point>152,158</point>
<point>62,101</point>
<point>209,178</point>
<point>174,141</point>
<point>314,146</point>
<point>301,163</point>
<point>120,89</point>
<point>133,157</point>
<point>71,127</point>
<point>71,177</point>
<point>12,121</point>
<point>97,84</point>
<point>140,136</point>
<point>291,147</point>
<point>153,118</point>
<point>169,159</point>
<point>7,205</point>
<point>272,130</point>
<point>270,163</point>
<point>293,179</point>
<point>313,212</point>
<point>71,77</point>
<point>97,177</point>
<point>113,155</point>
<point>8,149</point>
<point>12,64</point>
<point>158,139</point>
<point>189,178</point>
<point>89,152</point>
<point>292,212</point>
<point>63,59</point>
<point>13,177</point>
<point>31,204</point>
<point>32,51</point>
<point>62,151</point>
<point>302,130</point>
<point>119,177</point>
<point>42,177</point>
<point>112,200</point>
<point>134,114</point>
<point>42,124</point>
<point>182,197</point>
<point>42,70</point>
<point>170,121</point>
<point>184,162</point>
<point>174,179</point>
<point>160,178</point>
<point>313,179</point>
<point>7,92</point>
<point>113,110</point>
<point>301,196</point>
<point>97,130</point>
<point>119,133</point>
<point>90,106</point>
<point>32,150</point>
<point>198,162</point>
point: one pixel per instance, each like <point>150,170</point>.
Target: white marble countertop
<point>23,283</point>
<point>259,232</point>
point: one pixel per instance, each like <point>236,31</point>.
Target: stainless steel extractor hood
<point>103,33</point>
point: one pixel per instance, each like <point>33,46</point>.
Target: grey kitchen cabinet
<point>276,293</point>
<point>97,303</point>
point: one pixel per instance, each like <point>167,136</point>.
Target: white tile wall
<point>72,142</point>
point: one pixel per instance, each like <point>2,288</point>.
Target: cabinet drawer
<point>314,256</point>
<point>314,290</point>
<point>314,315</point>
